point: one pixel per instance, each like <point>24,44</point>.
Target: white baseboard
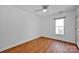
<point>59,39</point>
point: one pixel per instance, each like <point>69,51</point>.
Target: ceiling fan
<point>44,8</point>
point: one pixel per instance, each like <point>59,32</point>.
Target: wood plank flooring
<point>44,45</point>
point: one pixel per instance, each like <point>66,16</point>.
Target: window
<point>59,26</point>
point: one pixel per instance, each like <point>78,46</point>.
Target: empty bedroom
<point>39,29</point>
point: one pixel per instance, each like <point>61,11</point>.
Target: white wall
<point>78,27</point>
<point>78,31</point>
<point>17,26</point>
<point>48,26</point>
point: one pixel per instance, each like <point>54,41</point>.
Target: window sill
<point>59,34</point>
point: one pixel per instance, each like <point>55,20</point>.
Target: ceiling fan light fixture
<point>44,10</point>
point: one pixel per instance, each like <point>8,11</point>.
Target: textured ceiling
<point>52,9</point>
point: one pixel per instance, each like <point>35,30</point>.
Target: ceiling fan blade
<point>43,7</point>
<point>38,10</point>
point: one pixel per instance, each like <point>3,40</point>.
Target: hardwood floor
<point>44,45</point>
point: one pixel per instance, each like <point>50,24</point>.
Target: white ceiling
<point>52,9</point>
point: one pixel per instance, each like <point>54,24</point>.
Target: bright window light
<point>59,26</point>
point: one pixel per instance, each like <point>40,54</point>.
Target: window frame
<point>63,26</point>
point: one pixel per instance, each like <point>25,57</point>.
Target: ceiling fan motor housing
<point>45,6</point>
